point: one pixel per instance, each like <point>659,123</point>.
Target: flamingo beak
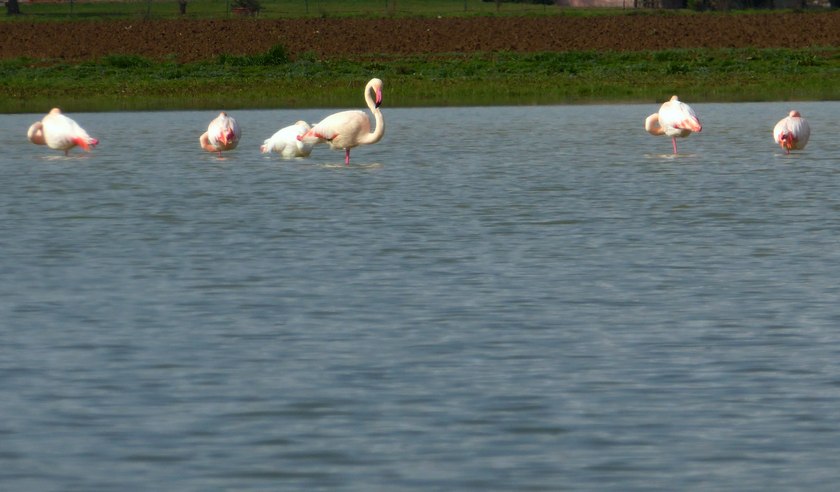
<point>378,98</point>
<point>787,142</point>
<point>227,137</point>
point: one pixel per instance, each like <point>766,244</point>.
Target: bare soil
<point>192,40</point>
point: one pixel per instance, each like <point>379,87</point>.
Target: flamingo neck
<point>36,134</point>
<point>370,100</point>
<point>378,132</point>
<point>652,125</point>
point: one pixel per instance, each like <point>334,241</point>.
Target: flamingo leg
<point>346,157</point>
<point>674,142</point>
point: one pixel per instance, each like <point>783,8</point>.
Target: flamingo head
<point>376,86</point>
<point>795,114</point>
<point>786,140</point>
<point>227,136</point>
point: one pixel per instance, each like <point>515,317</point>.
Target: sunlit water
<point>529,298</point>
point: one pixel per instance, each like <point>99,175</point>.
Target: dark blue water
<point>529,298</point>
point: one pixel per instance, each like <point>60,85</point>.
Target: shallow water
<point>515,298</point>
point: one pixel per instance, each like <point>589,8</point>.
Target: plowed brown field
<point>190,40</point>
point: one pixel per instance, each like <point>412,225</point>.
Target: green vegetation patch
<point>275,80</point>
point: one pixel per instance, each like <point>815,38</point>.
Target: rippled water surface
<point>527,298</point>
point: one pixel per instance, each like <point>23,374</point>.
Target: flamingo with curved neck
<point>792,132</point>
<point>349,129</point>
<point>674,119</point>
<point>223,133</point>
<point>286,143</point>
<point>60,132</point>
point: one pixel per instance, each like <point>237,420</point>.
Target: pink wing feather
<point>676,114</point>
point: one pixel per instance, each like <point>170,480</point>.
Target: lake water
<point>513,298</point>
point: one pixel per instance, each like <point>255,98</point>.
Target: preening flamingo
<point>60,132</point>
<point>792,132</point>
<point>674,119</point>
<point>222,134</point>
<point>349,129</point>
<point>285,142</point>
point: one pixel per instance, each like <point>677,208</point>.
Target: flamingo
<point>60,132</point>
<point>792,132</point>
<point>222,134</point>
<point>285,142</point>
<point>674,119</point>
<point>349,129</point>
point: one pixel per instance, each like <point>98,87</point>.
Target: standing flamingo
<point>222,134</point>
<point>675,119</point>
<point>60,132</point>
<point>285,142</point>
<point>792,132</point>
<point>349,129</point>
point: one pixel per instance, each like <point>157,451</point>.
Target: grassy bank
<point>272,80</point>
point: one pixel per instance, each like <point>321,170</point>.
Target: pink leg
<point>674,141</point>
<point>346,157</point>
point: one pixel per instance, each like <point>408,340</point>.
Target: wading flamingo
<point>222,134</point>
<point>349,129</point>
<point>674,119</point>
<point>792,132</point>
<point>59,132</point>
<point>285,142</point>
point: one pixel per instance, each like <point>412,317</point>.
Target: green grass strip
<point>274,80</point>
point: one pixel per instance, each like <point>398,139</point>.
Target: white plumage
<point>286,143</point>
<point>674,119</point>
<point>792,132</point>
<point>223,133</point>
<point>349,129</point>
<point>60,132</point>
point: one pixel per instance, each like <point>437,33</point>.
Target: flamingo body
<point>792,132</point>
<point>675,119</point>
<point>222,134</point>
<point>349,129</point>
<point>60,132</point>
<point>286,143</point>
